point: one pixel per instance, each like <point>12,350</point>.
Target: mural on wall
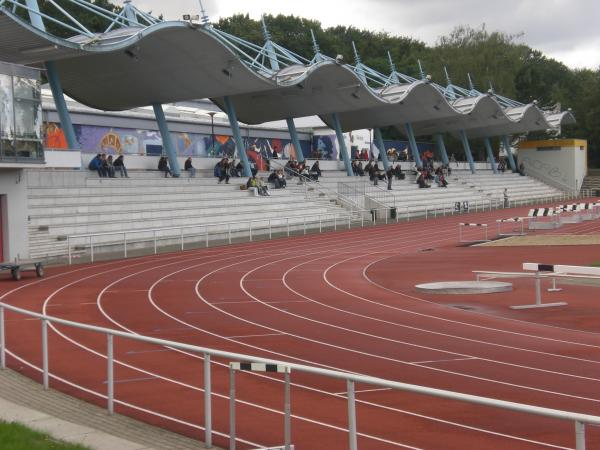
<point>324,147</point>
<point>110,140</point>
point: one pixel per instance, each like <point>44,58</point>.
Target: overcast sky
<point>566,30</point>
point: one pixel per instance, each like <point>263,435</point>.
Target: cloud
<point>563,29</point>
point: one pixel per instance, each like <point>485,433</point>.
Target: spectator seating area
<point>64,203</point>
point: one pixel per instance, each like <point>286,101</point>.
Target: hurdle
<point>287,414</point>
<point>589,211</point>
<point>475,225</point>
<point>519,231</point>
<point>569,213</point>
<point>536,213</point>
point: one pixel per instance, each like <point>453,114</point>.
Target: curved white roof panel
<point>175,61</point>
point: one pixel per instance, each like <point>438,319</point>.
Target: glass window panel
<point>8,149</point>
<point>28,149</point>
<point>28,119</point>
<point>27,89</point>
<point>6,108</point>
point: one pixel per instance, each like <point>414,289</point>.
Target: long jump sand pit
<point>544,240</point>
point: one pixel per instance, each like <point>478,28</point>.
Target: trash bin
<point>393,213</point>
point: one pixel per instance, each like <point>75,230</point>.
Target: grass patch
<point>596,264</point>
<point>14,436</point>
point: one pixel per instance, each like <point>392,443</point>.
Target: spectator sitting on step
<point>315,171</point>
<point>281,180</point>
<point>119,165</point>
<point>398,172</point>
<point>440,179</point>
<point>354,166</point>
<point>421,181</point>
<point>238,169</point>
<point>272,177</point>
<point>163,166</point>
<point>522,169</point>
<point>390,176</point>
<point>96,164</point>
<point>501,165</point>
<point>359,169</point>
<point>290,168</point>
<point>224,170</point>
<point>110,168</point>
<point>189,167</point>
<point>368,168</point>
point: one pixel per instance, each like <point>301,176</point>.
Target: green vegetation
<point>18,437</point>
<point>596,264</point>
<point>491,57</point>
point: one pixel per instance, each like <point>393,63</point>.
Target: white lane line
<point>326,393</point>
<point>286,301</point>
<point>71,304</point>
<point>232,302</point>
<point>255,335</point>
<point>121,291</point>
<point>433,361</point>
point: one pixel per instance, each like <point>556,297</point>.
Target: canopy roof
<point>165,62</point>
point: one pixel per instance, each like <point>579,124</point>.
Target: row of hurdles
<point>536,219</point>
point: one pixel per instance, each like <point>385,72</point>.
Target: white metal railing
<point>256,227</point>
<point>252,227</point>
<point>580,420</point>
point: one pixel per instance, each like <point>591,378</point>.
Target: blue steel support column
<point>342,144</point>
<point>439,139</point>
<point>412,143</point>
<point>295,141</point>
<point>509,155</point>
<point>54,81</point>
<point>379,143</point>
<point>275,66</point>
<point>490,153</point>
<point>237,136</point>
<point>467,148</point>
<point>167,140</point>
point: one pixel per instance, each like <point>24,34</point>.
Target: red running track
<point>345,301</point>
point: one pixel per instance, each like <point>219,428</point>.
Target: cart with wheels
<point>18,267</point>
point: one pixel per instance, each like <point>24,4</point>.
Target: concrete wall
<point>13,192</point>
<point>559,163</point>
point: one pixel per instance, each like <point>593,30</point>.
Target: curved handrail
<point>207,353</point>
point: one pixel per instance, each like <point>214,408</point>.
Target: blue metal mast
<point>53,79</point>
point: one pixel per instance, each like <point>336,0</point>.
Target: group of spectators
<point>294,168</point>
<point>107,167</point>
<point>437,176</point>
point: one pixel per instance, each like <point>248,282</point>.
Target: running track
<point>343,300</point>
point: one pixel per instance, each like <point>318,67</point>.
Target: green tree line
<point>492,58</point>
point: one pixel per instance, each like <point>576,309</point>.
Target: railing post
<point>229,232</point>
<point>181,233</point>
<point>334,222</point>
<point>69,248</point>
<point>287,407</point>
<point>154,233</point>
<point>125,245</point>
<point>304,222</point>
<point>270,230</point>
<point>579,435</point>
<point>91,249</point>
<point>349,222</point>
<point>45,353</point>
<point>288,226</point>
<point>320,224</point>
<point>250,229</point>
<point>206,236</point>
<point>207,403</point>
<point>231,408</point>
<point>110,371</point>
<point>353,444</point>
<point>2,340</point>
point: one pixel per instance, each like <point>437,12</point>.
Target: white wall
<point>561,163</point>
<point>13,189</point>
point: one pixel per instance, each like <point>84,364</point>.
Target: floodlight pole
<point>53,79</point>
<point>490,153</point>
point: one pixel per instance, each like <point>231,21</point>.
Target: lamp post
<point>212,130</point>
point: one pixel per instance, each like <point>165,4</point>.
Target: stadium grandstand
<point>306,257</point>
